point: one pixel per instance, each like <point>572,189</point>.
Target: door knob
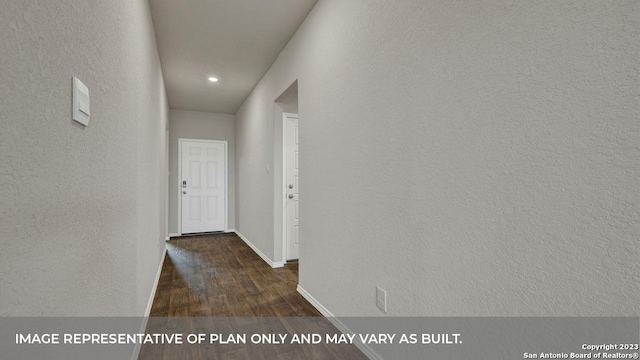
<point>290,196</point>
<point>184,192</point>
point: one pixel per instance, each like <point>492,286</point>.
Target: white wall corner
<point>316,304</point>
<point>260,253</point>
<point>366,349</point>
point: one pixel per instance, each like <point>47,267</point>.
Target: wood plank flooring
<point>216,284</point>
<point>219,275</point>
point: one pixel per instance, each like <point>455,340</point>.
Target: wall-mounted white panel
<point>81,108</point>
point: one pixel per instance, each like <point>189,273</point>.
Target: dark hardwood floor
<point>215,284</point>
<point>219,275</point>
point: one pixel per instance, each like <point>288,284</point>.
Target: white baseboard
<point>174,235</point>
<point>147,312</point>
<point>155,283</point>
<point>260,253</point>
<point>231,231</point>
<point>366,350</point>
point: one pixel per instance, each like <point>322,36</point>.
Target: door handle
<point>290,196</point>
<point>184,193</point>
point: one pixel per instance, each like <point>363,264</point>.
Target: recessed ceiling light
<point>213,79</point>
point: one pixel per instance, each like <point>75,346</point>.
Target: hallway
<point>453,158</point>
<point>219,275</point>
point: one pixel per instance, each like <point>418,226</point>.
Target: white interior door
<point>203,185</point>
<point>292,215</point>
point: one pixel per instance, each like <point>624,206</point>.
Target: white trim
<point>147,312</point>
<point>278,187</point>
<point>231,231</point>
<point>155,283</point>
<point>283,185</point>
<point>285,249</point>
<point>167,179</point>
<point>174,235</point>
<point>366,350</point>
<point>260,253</point>
<point>226,179</point>
<point>179,193</point>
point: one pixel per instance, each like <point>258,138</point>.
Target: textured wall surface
<point>199,125</point>
<point>290,101</point>
<point>472,158</point>
<point>82,209</point>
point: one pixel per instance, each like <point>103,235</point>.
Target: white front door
<point>203,185</point>
<point>291,185</point>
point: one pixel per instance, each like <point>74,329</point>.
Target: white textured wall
<point>82,209</point>
<point>471,157</point>
<point>289,101</point>
<point>199,125</point>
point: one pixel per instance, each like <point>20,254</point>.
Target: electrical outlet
<point>381,299</point>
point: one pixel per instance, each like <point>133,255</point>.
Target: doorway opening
<point>286,177</point>
<point>292,190</point>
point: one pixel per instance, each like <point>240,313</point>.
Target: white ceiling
<point>233,40</point>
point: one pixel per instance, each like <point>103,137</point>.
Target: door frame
<point>285,239</point>
<point>226,179</point>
